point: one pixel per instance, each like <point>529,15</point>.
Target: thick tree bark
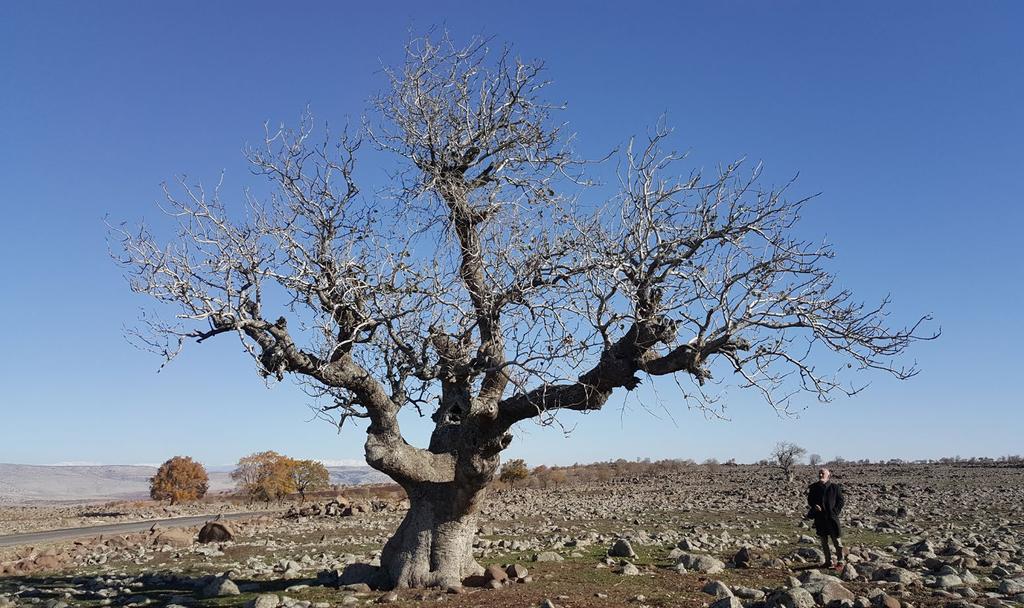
<point>433,546</point>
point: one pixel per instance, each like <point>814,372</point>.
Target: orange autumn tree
<point>265,476</point>
<point>179,479</point>
<point>514,470</point>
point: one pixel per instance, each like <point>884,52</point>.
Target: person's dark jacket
<point>830,497</point>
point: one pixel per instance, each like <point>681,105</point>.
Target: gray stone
<point>388,598</point>
<point>947,581</point>
<point>895,575</point>
<point>220,587</point>
<point>813,554</point>
<point>717,589</point>
<point>517,571</point>
<point>748,593</point>
<point>495,572</point>
<point>796,597</point>
<point>548,556</point>
<point>1011,586</point>
<point>628,569</point>
<point>701,563</point>
<point>727,602</point>
<point>833,593</point>
<point>265,600</point>
<point>849,573</point>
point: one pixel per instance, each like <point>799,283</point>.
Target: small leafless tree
<point>814,460</point>
<point>785,457</point>
<point>480,292</point>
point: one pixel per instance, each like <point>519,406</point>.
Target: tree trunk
<point>433,546</point>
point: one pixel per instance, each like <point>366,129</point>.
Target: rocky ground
<point>720,536</point>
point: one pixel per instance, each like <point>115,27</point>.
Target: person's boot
<point>840,554</point>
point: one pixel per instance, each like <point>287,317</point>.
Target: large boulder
<point>894,574</point>
<point>727,602</point>
<point>220,587</point>
<point>717,589</point>
<point>1011,586</point>
<point>812,554</point>
<point>701,563</point>
<point>849,573</point>
<point>748,557</point>
<point>47,562</point>
<point>884,600</point>
<point>495,572</point>
<point>175,537</point>
<point>621,548</point>
<point>947,581</point>
<point>627,569</point>
<point>336,506</point>
<point>265,600</point>
<point>517,572</point>
<point>833,593</point>
<point>797,597</point>
<point>215,532</point>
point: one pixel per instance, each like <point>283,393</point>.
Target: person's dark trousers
<point>838,542</point>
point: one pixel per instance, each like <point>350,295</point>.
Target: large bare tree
<point>482,292</point>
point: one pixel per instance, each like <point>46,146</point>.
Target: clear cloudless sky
<point>906,116</point>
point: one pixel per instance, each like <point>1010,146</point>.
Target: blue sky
<point>905,116</point>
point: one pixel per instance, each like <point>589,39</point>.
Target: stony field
<point>727,536</point>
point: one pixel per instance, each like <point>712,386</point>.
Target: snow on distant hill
<point>20,483</point>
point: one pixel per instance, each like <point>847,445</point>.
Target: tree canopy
<point>179,479</point>
<point>265,476</point>
<point>310,476</point>
<point>514,470</point>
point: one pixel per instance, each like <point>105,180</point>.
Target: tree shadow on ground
<point>159,588</point>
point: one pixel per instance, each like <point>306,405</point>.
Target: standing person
<point>825,502</point>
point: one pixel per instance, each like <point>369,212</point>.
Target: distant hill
<point>21,483</point>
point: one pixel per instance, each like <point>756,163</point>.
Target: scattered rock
<point>265,600</point>
<point>628,569</point>
<point>215,532</point>
<point>621,548</point>
<point>517,572</point>
<point>717,589</point>
<point>701,563</point>
<point>727,602</point>
<point>1011,586</point>
<point>220,587</point>
<point>796,597</point>
<point>174,537</point>
<point>495,573</point>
